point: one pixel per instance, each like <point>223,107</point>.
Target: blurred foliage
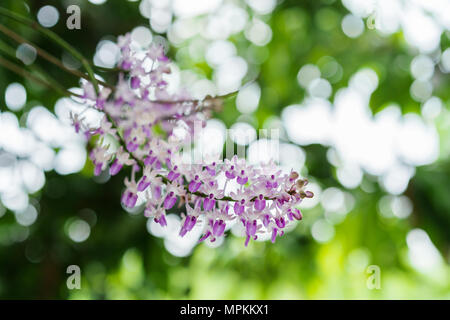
<point>121,260</point>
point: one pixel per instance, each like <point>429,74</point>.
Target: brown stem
<point>198,101</point>
<point>28,75</point>
<point>47,56</point>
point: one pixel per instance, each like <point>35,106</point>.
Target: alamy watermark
<point>74,280</point>
<point>374,279</point>
<point>74,19</point>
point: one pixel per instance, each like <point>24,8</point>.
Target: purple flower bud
<point>98,169</point>
<point>205,236</point>
<point>293,175</point>
<point>163,58</point>
<point>266,220</point>
<point>219,228</point>
<point>77,126</point>
<point>170,201</point>
<point>247,240</point>
<point>281,223</point>
<point>143,184</point>
<point>173,175</point>
<point>115,167</point>
<point>274,234</point>
<point>194,186</point>
<point>161,220</point>
<point>126,65</point>
<point>251,227</point>
<point>129,199</point>
<point>135,82</point>
<point>189,223</point>
<point>296,213</point>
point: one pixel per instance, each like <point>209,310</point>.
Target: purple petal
<point>242,180</point>
<point>205,236</point>
<point>126,65</point>
<point>98,169</point>
<point>115,168</point>
<point>230,175</point>
<point>135,82</point>
<point>143,184</point>
<point>247,240</point>
<point>194,186</point>
<point>100,104</point>
<point>251,227</point>
<point>129,199</point>
<point>219,228</point>
<point>156,190</point>
<point>274,234</point>
<point>169,202</point>
<point>208,203</point>
<point>281,223</point>
<point>297,214</point>
<point>161,220</point>
<point>260,204</point>
<point>238,209</point>
<point>173,175</point>
<point>266,220</point>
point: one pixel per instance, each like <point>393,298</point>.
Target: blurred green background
<point>368,216</point>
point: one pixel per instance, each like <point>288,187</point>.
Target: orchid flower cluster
<point>141,117</point>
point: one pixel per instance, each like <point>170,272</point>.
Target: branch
<point>47,56</point>
<point>55,38</point>
<point>28,75</point>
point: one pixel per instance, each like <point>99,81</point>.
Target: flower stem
<point>55,38</point>
<point>28,75</point>
<point>9,51</point>
<point>47,56</point>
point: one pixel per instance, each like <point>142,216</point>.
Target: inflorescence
<point>140,116</point>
